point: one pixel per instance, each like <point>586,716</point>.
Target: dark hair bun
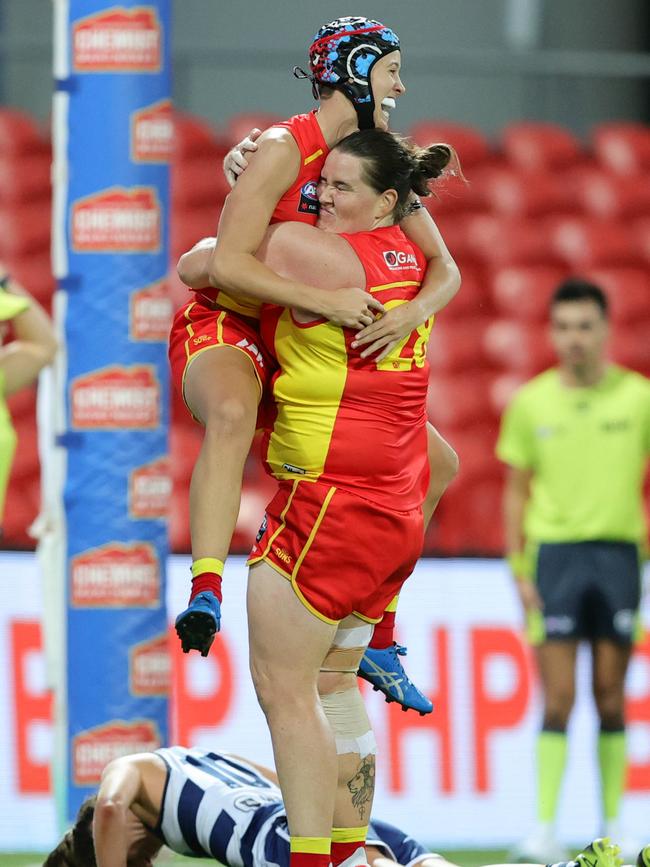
<point>430,163</point>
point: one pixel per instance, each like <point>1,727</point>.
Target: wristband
<point>413,206</point>
<point>519,565</point>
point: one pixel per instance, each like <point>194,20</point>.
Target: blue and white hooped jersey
<point>216,806</point>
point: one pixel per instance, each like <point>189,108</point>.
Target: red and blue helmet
<point>342,55</point>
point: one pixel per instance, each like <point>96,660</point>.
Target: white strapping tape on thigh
<point>347,715</point>
<point>357,636</point>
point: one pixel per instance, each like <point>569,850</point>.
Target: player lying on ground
<point>215,805</point>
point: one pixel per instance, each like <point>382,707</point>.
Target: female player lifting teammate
<point>355,70</point>
<point>349,448</point>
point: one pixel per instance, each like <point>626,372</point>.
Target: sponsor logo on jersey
<point>118,39</point>
<point>150,313</point>
<point>291,469</point>
<point>94,748</point>
<point>150,667</point>
<point>117,220</point>
<point>281,554</point>
<point>116,397</point>
<point>152,133</point>
<point>150,489</point>
<point>308,203</point>
<point>398,260</point>
<point>116,576</point>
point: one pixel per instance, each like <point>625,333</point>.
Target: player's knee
<point>556,714</point>
<point>349,721</point>
<point>610,706</point>
<point>229,418</point>
<point>277,691</point>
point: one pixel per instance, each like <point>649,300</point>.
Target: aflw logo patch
<point>308,201</point>
<point>398,260</point>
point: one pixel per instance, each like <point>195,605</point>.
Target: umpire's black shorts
<point>589,590</point>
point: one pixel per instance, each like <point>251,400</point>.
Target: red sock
<point>341,851</point>
<point>206,581</point>
<point>308,859</point>
<point>382,637</point>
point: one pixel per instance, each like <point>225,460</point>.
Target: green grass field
<point>465,857</point>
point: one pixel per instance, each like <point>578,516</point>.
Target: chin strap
<point>300,73</point>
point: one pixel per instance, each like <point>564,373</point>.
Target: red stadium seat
<point>468,520</point>
<point>453,195</point>
<point>496,240</point>
<point>22,404</point>
<point>630,345</point>
<point>622,147</point>
<point>472,299</point>
<point>603,194</point>
<point>184,446</point>
<point>20,134</point>
<point>538,147</point>
<point>26,463</point>
<point>456,344</point>
<point>21,509</point>
<point>522,194</point>
<point>517,346</point>
<point>197,182</point>
<point>584,242</point>
<point>25,229</point>
<point>194,137</point>
<point>523,291</point>
<point>179,520</point>
<point>456,401</point>
<point>503,387</point>
<point>474,446</point>
<point>241,124</point>
<point>24,178</point>
<point>640,237</point>
<point>190,226</point>
<point>628,291</point>
<point>471,145</point>
<point>34,272</point>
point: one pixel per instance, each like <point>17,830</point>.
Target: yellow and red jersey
<point>298,203</point>
<point>348,421</point>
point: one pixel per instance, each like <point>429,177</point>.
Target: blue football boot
<point>383,669</point>
<point>199,623</point>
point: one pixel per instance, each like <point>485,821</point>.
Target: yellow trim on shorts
<point>207,349</point>
<point>312,157</point>
<point>292,577</point>
<point>280,528</point>
<point>313,532</point>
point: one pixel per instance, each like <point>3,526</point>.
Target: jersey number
<point>406,353</point>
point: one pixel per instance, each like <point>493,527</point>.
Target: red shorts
<point>343,554</point>
<point>200,325</point>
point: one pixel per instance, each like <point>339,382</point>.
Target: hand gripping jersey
<point>347,421</point>
<point>216,806</point>
<point>298,203</point>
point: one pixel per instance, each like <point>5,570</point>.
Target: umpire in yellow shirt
<point>576,440</point>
